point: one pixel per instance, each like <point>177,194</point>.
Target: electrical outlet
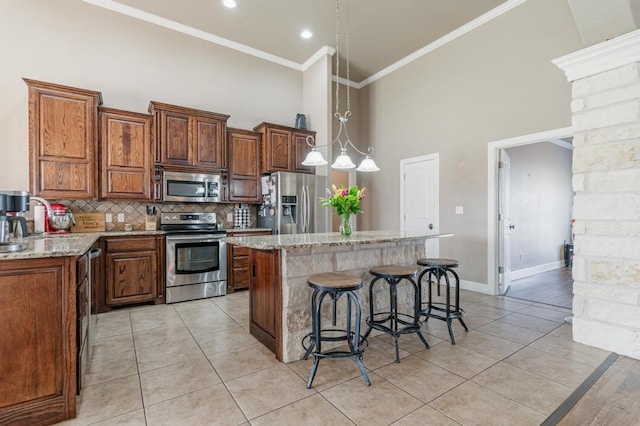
<point>120,217</point>
<point>108,217</point>
<point>459,210</point>
<point>229,217</point>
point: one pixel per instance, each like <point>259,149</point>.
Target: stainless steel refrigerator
<point>291,203</point>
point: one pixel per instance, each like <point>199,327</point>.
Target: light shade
<point>368,165</point>
<point>314,158</point>
<point>343,162</point>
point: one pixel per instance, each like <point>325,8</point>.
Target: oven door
<point>195,259</point>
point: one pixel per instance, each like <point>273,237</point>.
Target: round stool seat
<point>439,263</point>
<point>332,281</point>
<point>387,271</point>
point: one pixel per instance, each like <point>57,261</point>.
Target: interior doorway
<point>420,198</point>
<point>528,261</point>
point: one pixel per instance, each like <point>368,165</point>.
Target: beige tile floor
<point>194,363</point>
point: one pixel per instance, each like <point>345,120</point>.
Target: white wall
<point>541,199</point>
<point>131,62</point>
<point>493,83</point>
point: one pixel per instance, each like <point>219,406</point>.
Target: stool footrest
<point>441,307</point>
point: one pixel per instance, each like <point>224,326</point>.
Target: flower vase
<point>345,224</point>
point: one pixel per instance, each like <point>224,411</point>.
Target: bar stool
<point>393,322</point>
<point>438,269</point>
<point>334,285</point>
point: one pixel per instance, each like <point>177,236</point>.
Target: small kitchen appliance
<point>59,219</point>
<point>13,226</point>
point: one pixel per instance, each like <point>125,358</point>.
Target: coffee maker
<point>13,226</point>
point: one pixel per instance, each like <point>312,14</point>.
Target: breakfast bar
<point>280,313</point>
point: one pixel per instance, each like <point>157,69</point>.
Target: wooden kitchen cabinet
<point>126,155</point>
<point>38,350</point>
<point>189,139</point>
<point>133,272</point>
<point>283,148</point>
<point>239,262</point>
<point>63,138</point>
<point>244,166</point>
<point>265,299</point>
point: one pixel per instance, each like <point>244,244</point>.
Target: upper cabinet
<point>283,148</point>
<point>244,169</point>
<point>126,155</point>
<point>188,138</point>
<point>63,137</point>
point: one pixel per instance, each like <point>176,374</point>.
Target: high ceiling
<point>381,31</point>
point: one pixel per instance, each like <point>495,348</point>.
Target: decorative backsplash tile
<point>135,211</point>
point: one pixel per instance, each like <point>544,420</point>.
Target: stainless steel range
<point>195,256</point>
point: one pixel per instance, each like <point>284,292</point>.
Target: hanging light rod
<point>343,162</point>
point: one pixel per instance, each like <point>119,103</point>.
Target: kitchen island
<point>280,312</point>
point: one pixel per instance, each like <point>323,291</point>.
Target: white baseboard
<point>538,269</point>
<point>474,286</point>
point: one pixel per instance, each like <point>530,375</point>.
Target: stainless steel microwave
<point>191,187</point>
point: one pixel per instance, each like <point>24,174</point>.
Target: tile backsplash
<point>135,211</point>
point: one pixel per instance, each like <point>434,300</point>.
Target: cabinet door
<point>265,299</point>
<point>38,343</point>
<point>63,126</point>
<point>131,277</point>
<point>277,153</point>
<point>175,148</point>
<point>244,173</point>
<point>301,149</point>
<point>208,143</point>
<point>125,142</point>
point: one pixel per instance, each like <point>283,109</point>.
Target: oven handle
<point>200,237</point>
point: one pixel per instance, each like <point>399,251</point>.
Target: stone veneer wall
<point>135,211</point>
<point>606,167</point>
<point>298,264</point>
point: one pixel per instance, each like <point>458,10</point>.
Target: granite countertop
<point>289,241</point>
<point>72,244</point>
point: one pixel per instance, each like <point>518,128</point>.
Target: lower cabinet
<point>265,299</point>
<point>133,270</point>
<point>38,341</point>
<point>239,262</point>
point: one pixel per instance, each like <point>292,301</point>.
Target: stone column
<point>606,181</point>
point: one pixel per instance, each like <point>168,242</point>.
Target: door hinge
<point>500,165</point>
<point>499,217</point>
<point>501,269</point>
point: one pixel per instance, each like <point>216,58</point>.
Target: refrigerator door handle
<point>308,211</point>
<point>305,209</point>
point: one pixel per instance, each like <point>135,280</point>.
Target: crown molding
<point>459,32</point>
<point>324,50</point>
<point>609,54</point>
<point>194,32</point>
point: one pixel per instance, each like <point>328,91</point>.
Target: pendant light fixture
<point>343,162</point>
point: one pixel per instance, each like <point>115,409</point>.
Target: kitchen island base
<point>280,312</point>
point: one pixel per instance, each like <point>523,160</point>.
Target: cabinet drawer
<point>241,262</point>
<point>82,265</point>
<point>130,244</point>
<point>241,251</point>
<point>241,277</point>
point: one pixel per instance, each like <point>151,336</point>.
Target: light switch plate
<point>229,217</point>
<point>120,217</point>
<point>459,210</point>
<point>108,217</point>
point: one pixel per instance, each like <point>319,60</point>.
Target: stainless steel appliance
<point>191,187</point>
<point>13,226</point>
<point>291,203</point>
<point>195,256</point>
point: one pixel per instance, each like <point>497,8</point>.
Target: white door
<point>504,222</point>
<point>419,198</point>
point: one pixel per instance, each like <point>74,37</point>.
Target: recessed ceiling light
<point>306,34</point>
<point>229,3</point>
